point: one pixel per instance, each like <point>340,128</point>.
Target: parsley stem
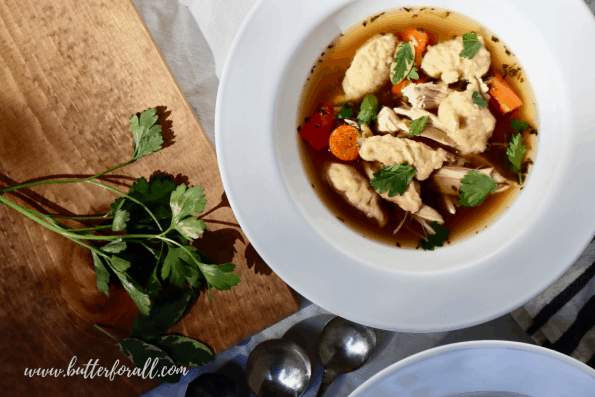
<point>55,228</point>
<point>107,333</point>
<point>76,217</point>
<point>60,181</point>
<point>110,170</point>
<point>520,178</point>
<point>70,232</point>
<point>91,229</point>
<point>111,189</point>
<point>49,219</point>
<point>149,248</point>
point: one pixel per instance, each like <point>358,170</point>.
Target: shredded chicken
<point>389,123</point>
<point>449,204</point>
<point>430,214</point>
<point>477,84</point>
<point>416,113</point>
<point>443,61</point>
<point>426,95</point>
<point>410,200</point>
<point>467,125</point>
<point>369,69</point>
<point>356,190</point>
<point>391,150</point>
<point>447,180</point>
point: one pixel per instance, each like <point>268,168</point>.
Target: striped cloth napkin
<point>562,318</point>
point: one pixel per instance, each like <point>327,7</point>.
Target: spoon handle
<point>327,378</point>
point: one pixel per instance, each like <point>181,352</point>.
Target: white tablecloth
<point>194,36</point>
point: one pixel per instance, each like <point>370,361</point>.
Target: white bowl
<point>483,369</point>
<point>457,286</point>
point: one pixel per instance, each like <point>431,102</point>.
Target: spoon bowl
<point>343,346</point>
<point>278,368</point>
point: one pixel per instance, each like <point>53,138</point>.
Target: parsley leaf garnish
<point>435,240</point>
<point>471,45</point>
<point>515,153</point>
<point>103,275</point>
<point>146,133</point>
<point>474,189</point>
<point>136,292</point>
<point>516,149</point>
<point>393,179</point>
<point>187,352</point>
<point>417,126</point>
<point>479,100</point>
<point>413,75</point>
<point>185,202</point>
<point>403,62</point>
<point>139,352</point>
<point>346,111</point>
<point>368,110</point>
<point>121,217</point>
<point>164,314</point>
<point>114,247</point>
<point>519,125</point>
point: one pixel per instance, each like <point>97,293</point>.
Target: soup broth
<point>323,86</point>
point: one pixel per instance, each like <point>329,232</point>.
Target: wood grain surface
<point>71,74</point>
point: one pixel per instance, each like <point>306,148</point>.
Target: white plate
<point>457,286</point>
<point>483,369</point>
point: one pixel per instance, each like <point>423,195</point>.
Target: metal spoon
<point>212,385</point>
<point>343,347</point>
<point>278,368</point>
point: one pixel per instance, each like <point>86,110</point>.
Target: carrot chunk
<point>503,96</point>
<point>317,128</point>
<point>343,143</point>
<point>398,88</point>
<point>420,38</point>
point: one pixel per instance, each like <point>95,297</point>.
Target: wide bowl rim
<point>430,354</point>
<point>229,157</point>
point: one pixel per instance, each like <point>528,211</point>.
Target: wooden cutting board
<point>71,74</point>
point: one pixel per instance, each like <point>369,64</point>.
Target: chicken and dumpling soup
<point>417,127</point>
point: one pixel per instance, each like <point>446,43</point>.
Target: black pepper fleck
<point>495,39</point>
<point>375,17</point>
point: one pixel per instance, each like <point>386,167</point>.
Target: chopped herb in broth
<point>414,128</point>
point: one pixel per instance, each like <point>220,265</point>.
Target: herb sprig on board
<point>154,221</point>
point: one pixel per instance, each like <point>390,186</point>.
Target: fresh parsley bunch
<point>158,218</point>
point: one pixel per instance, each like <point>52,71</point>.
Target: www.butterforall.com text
<point>92,369</point>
